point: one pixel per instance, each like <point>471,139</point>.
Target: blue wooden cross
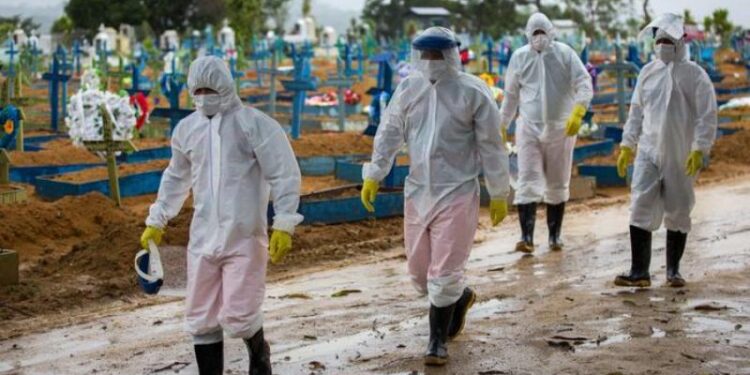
<point>620,67</point>
<point>172,85</point>
<point>260,53</point>
<point>139,82</point>
<point>303,81</point>
<point>381,94</point>
<point>348,54</point>
<point>11,51</point>
<point>491,55</point>
<point>104,54</point>
<point>58,85</point>
<point>35,52</point>
<point>342,81</point>
<point>77,51</point>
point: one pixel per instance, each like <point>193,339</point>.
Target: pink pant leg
<point>417,245</point>
<point>451,236</point>
<point>244,283</point>
<point>203,299</point>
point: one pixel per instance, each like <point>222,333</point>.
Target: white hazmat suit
<point>672,112</point>
<point>544,80</point>
<point>451,128</point>
<point>232,162</point>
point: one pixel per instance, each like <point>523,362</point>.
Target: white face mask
<point>540,41</point>
<point>437,69</point>
<point>665,52</point>
<point>209,104</point>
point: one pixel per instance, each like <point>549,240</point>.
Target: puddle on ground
<point>604,341</point>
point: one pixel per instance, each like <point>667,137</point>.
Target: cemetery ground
<point>341,302</point>
<point>352,311</point>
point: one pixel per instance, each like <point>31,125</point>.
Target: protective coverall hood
<point>538,21</point>
<point>667,26</point>
<point>211,72</point>
<point>435,39</point>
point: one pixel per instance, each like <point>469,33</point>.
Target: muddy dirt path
<point>551,313</point>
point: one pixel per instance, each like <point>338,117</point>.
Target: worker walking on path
<point>548,85</point>
<point>450,123</point>
<point>673,122</point>
<point>232,157</point>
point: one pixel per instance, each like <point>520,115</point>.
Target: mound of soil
<point>331,144</point>
<point>733,148</point>
<point>56,152</point>
<point>37,229</point>
<point>312,184</point>
<point>100,173</point>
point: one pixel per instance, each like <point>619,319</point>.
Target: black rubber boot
<point>210,358</point>
<point>260,354</point>
<point>437,351</point>
<point>675,247</point>
<point>640,249</point>
<point>555,213</point>
<point>459,313</point>
<point>527,218</point>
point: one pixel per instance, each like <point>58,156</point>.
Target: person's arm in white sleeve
<point>174,187</point>
<point>511,94</point>
<point>492,153</point>
<point>633,127</point>
<point>388,139</point>
<point>279,167</point>
<point>705,115</point>
<point>581,80</point>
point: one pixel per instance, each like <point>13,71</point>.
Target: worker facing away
<point>548,85</point>
<point>672,121</point>
<point>232,157</point>
<point>449,122</point>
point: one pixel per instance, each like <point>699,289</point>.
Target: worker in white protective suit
<point>232,157</point>
<point>673,121</point>
<point>450,123</point>
<point>550,87</point>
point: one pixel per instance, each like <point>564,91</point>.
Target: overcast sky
<point>739,10</point>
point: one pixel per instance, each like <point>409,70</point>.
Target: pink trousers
<point>225,292</point>
<point>437,250</point>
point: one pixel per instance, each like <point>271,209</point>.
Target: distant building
<point>427,17</point>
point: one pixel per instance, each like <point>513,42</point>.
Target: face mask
<point>209,104</point>
<point>665,52</point>
<point>437,69</point>
<point>539,42</point>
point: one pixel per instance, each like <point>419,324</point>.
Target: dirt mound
<point>733,148</point>
<point>100,173</point>
<point>329,144</point>
<point>36,228</point>
<point>57,152</point>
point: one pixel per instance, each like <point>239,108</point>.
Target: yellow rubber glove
<point>498,211</point>
<point>694,163</point>
<point>281,243</point>
<point>575,120</point>
<point>504,133</point>
<point>369,193</point>
<point>625,158</point>
<point>151,233</point>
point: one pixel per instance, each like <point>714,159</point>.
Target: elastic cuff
<point>286,222</point>
<point>209,338</point>
<point>372,172</point>
<point>445,291</point>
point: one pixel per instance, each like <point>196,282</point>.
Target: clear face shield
<point>435,54</point>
